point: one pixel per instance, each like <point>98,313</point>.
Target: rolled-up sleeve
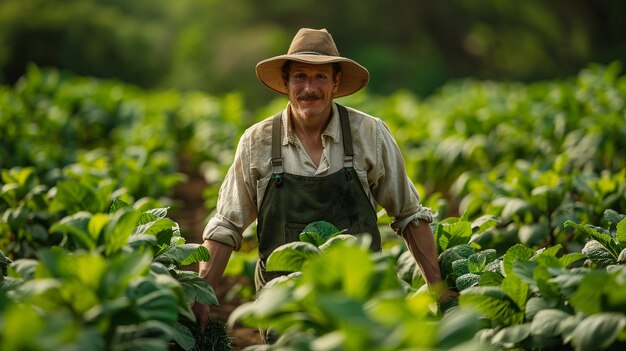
<point>236,204</point>
<point>391,186</point>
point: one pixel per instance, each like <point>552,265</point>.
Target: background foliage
<point>213,45</point>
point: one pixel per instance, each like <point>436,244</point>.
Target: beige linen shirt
<point>378,163</point>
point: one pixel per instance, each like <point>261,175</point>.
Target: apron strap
<point>277,158</point>
<point>348,153</point>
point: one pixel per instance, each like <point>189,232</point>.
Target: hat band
<point>311,53</point>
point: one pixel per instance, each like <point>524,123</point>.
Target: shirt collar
<point>333,129</point>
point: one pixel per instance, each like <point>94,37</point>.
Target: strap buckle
<point>278,170</point>
<point>348,161</point>
<point>277,165</point>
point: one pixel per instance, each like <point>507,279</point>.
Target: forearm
<point>421,242</point>
<point>212,270</point>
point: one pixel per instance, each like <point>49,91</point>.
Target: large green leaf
<point>135,242</point>
<point>151,335</point>
<point>620,234</point>
<point>118,204</point>
<point>567,327</point>
<point>516,289</point>
<point>589,296</point>
<point>291,256</point>
<point>543,281</point>
<point>490,279</point>
<point>152,301</point>
<point>516,253</point>
<point>155,227</point>
<point>599,331</point>
<point>511,336</point>
<point>108,308</point>
<point>121,270</point>
<point>484,223</point>
<point>493,303</point>
<point>524,270</point>
<point>196,288</point>
<point>74,197</point>
<point>345,310</point>
<point>453,234</point>
<point>568,259</point>
<point>84,267</point>
<point>183,337</point>
<point>546,322</point>
<point>536,304</point>
<point>336,240</point>
<point>117,231</point>
<point>184,254</point>
<point>599,254</point>
<point>36,287</point>
<point>458,325</point>
<point>613,217</point>
<point>23,268</point>
<point>349,268</point>
<point>271,302</point>
<point>97,222</point>
<point>77,225</point>
<point>312,238</point>
<point>605,239</point>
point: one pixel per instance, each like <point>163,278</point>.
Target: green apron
<point>291,202</point>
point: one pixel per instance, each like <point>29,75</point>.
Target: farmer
<point>315,160</point>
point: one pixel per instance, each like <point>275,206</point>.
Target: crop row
<point>88,166</point>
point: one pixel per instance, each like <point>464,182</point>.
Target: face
<point>311,89</point>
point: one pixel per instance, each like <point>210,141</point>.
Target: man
<point>315,160</point>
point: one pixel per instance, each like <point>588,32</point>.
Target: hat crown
<point>311,41</point>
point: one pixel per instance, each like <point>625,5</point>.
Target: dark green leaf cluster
<point>544,303</point>
<point>114,282</point>
<point>319,232</point>
<point>605,247</point>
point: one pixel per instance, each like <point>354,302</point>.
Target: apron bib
<point>291,202</point>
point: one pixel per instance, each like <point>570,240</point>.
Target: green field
<point>528,181</point>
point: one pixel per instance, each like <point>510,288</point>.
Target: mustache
<point>309,96</point>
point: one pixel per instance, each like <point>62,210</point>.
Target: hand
<point>201,311</point>
<point>447,295</point>
<point>443,293</point>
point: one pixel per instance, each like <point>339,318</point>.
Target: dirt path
<point>191,215</point>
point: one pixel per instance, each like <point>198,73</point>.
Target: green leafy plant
<point>606,247</point>
<point>317,233</point>
<point>317,237</point>
<point>121,283</point>
<point>352,299</point>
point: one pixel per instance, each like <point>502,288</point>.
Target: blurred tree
<point>213,45</point>
<point>96,38</point>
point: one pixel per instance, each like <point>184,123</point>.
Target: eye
<point>299,76</point>
<point>322,76</point>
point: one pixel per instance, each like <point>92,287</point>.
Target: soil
<point>190,213</point>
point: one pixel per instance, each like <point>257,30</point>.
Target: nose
<point>308,85</point>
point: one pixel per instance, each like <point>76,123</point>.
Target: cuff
<point>422,213</point>
<point>220,230</point>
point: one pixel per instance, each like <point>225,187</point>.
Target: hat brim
<point>353,76</point>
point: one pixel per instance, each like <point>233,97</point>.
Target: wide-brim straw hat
<point>315,47</point>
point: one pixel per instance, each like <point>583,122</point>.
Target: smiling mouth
<point>309,98</point>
